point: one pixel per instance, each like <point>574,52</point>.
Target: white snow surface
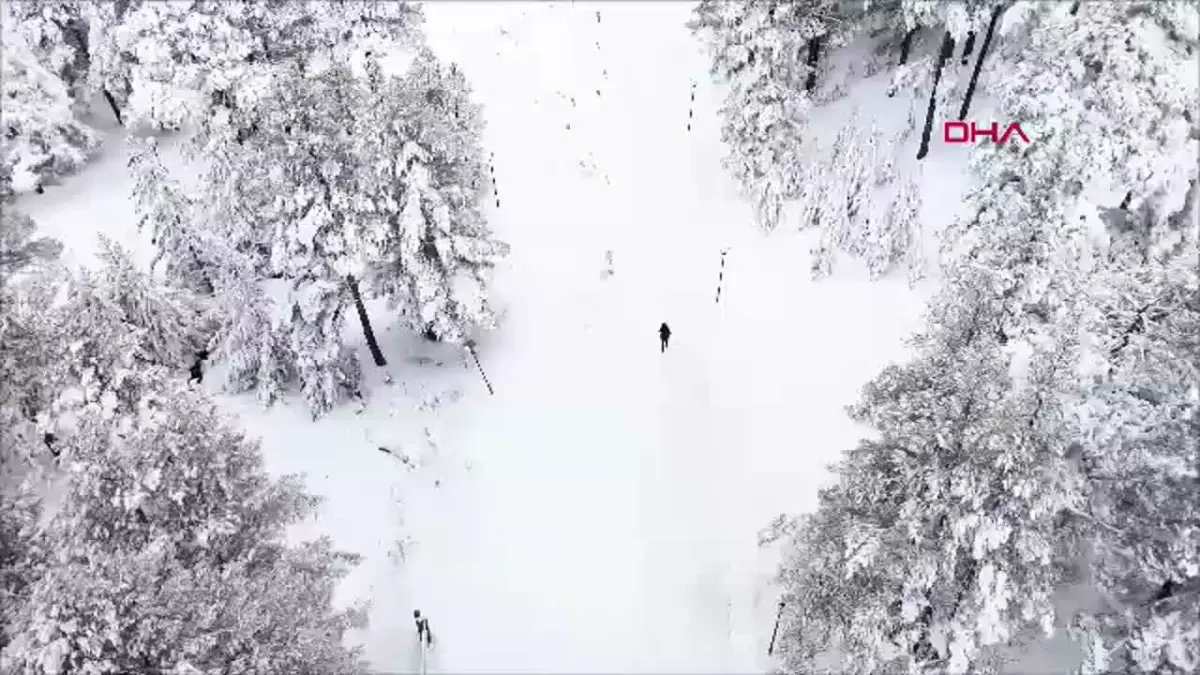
<point>599,513</point>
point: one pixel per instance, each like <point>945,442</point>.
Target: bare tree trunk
<point>376,354</point>
<point>1075,7</point>
<point>907,45</point>
<point>112,103</point>
<point>983,49</point>
<point>814,51</point>
<point>947,50</point>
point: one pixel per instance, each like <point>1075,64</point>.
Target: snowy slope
<point>600,512</point>
<point>645,477</point>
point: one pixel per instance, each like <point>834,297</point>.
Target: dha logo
<point>964,132</point>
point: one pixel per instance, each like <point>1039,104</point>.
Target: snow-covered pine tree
<point>1139,398</point>
<point>1141,408</point>
<point>250,340</point>
<point>328,371</point>
<point>237,320</point>
<point>754,51</point>
<point>124,335</point>
<point>1056,355</point>
<point>373,189</point>
<point>433,251</point>
<point>169,547</point>
<point>168,214</point>
<point>959,17</point>
<point>297,222</point>
<point>810,201</point>
<point>885,169</point>
<point>58,34</point>
<point>859,155</point>
<point>42,138</point>
<point>19,250</point>
<point>949,539</point>
<point>19,557</point>
<point>841,193</point>
<point>896,236</point>
<point>29,337</point>
<point>193,60</point>
<point>1142,133</point>
<point>167,318</point>
<point>156,59</point>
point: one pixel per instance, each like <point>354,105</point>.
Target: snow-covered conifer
<point>434,250</point>
<point>250,341</point>
<point>1139,133</point>
<point>124,335</point>
<point>19,249</point>
<point>19,557</point>
<point>1045,434</point>
<point>297,221</point>
<point>959,17</point>
<point>57,32</point>
<point>30,342</point>
<point>327,373</point>
<point>42,138</point>
<point>859,152</point>
<point>764,113</point>
<point>842,192</point>
<point>896,236</point>
<point>196,59</point>
<point>947,514</point>
<point>372,189</point>
<point>754,48</point>
<point>169,546</point>
<point>166,317</point>
<point>168,214</point>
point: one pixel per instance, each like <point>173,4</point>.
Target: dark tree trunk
<point>967,47</point>
<point>1125,202</point>
<point>112,103</point>
<point>1075,7</point>
<point>947,50</point>
<point>376,354</point>
<point>983,49</point>
<point>906,45</point>
<point>814,52</point>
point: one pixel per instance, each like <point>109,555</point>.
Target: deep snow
<point>600,512</point>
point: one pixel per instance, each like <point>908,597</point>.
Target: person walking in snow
<point>424,635</point>
<point>664,335</point>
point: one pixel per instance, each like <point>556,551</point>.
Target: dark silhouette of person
<point>424,635</point>
<point>664,335</point>
<point>197,370</point>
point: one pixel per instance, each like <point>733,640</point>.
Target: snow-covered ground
<point>600,511</point>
